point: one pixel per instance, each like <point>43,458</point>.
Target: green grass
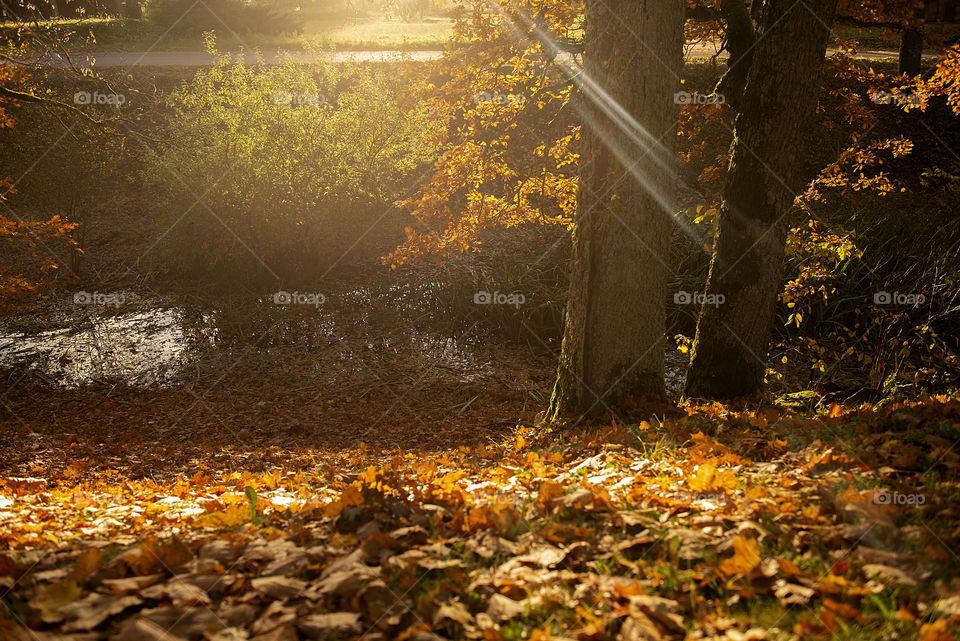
<point>372,33</point>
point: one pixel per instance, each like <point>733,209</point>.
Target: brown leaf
<point>285,632</point>
<point>219,550</point>
<point>890,576</point>
<point>639,627</point>
<point>275,616</point>
<point>144,630</point>
<point>666,612</point>
<point>239,615</point>
<point>344,582</point>
<point>293,562</point>
<point>412,535</point>
<point>93,610</point>
<point>543,555</point>
<point>176,621</point>
<point>177,591</point>
<point>279,588</point>
<point>132,585</point>
<point>792,594</point>
<point>330,625</point>
<point>229,634</point>
<point>452,611</point>
<point>501,608</point>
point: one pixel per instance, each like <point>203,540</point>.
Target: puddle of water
<point>453,357</point>
<point>141,349</point>
<point>155,346</point>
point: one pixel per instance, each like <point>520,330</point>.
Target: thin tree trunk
<point>911,51</point>
<point>131,9</point>
<point>740,43</point>
<point>733,333</point>
<point>613,342</point>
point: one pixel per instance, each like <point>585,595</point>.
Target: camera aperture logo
<point>885,497</point>
<point>899,99</point>
<point>498,98</point>
<point>697,298</point>
<point>299,99</point>
<point>298,298</point>
<point>497,298</point>
<point>696,98</point>
<point>898,298</point>
<point>97,298</point>
<point>97,98</point>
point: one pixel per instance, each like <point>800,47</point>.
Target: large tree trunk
<point>613,341</point>
<point>730,349</point>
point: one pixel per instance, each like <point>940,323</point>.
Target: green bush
<point>292,166</point>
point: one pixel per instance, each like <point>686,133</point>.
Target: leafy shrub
<point>280,169</point>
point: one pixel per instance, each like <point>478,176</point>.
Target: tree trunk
<point>613,340</point>
<point>131,9</point>
<point>736,320</point>
<point>911,51</point>
<point>740,38</point>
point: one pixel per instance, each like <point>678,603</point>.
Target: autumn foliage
<point>16,288</point>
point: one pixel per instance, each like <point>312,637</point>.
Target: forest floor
<point>764,523</point>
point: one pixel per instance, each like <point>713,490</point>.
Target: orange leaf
<point>746,557</point>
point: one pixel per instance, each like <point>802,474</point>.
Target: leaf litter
<point>704,526</point>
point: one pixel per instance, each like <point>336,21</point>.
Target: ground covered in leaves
<point>705,524</point>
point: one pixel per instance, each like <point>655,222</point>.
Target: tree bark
<point>740,42</point>
<point>736,320</point>
<point>613,341</point>
<point>131,9</point>
<point>911,51</point>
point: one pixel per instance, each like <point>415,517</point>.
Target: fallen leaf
<point>746,557</point>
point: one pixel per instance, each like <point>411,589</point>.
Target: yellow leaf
<point>746,557</point>
<point>521,442</point>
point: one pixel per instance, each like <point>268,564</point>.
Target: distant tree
<point>907,16</point>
